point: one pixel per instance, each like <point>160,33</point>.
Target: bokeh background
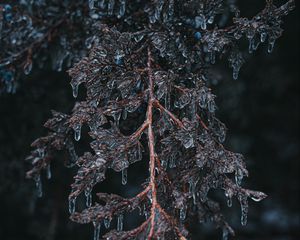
<point>260,109</point>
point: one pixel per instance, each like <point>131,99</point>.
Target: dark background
<point>260,109</point>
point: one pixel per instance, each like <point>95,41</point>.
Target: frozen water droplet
<point>235,74</point>
<point>48,171</point>
<point>192,189</point>
<point>238,177</point>
<point>91,4</point>
<point>200,21</point>
<point>124,176</point>
<point>122,8</point>
<point>138,37</point>
<point>77,132</point>
<point>88,197</point>
<point>258,196</point>
<point>107,222</point>
<point>28,67</point>
<point>172,162</point>
<point>102,52</point>
<point>97,229</point>
<point>182,212</point>
<point>211,19</point>
<point>72,205</point>
<point>38,184</point>
<point>229,201</point>
<point>110,7</point>
<point>197,35</point>
<point>120,223</point>
<point>188,142</point>
<point>225,233</point>
<point>75,86</point>
<point>251,44</point>
<point>271,45</point>
<point>263,37</point>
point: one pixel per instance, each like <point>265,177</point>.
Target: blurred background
<point>260,109</point>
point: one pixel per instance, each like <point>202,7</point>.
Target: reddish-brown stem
<point>202,123</point>
<point>151,145</point>
<point>171,115</point>
<point>152,155</point>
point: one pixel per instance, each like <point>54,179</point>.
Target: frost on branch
<point>151,60</point>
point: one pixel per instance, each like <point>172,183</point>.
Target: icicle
<point>120,223</point>
<point>97,228</point>
<point>172,162</point>
<point>124,176</point>
<point>77,131</point>
<point>271,45</point>
<point>192,189</point>
<point>225,233</point>
<point>122,8</point>
<point>212,57</point>
<point>229,201</point>
<point>182,213</point>
<point>263,37</point>
<point>110,7</point>
<point>88,197</point>
<point>236,70</point>
<point>200,21</point>
<point>72,205</point>
<point>107,222</point>
<point>91,4</point>
<point>28,67</point>
<point>140,211</point>
<point>238,177</point>
<point>119,57</point>
<point>258,196</point>
<point>48,171</point>
<point>251,44</point>
<point>38,184</point>
<point>124,114</point>
<point>75,86</point>
<point>211,105</point>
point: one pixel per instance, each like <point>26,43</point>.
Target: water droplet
<point>124,176</point>
<point>120,223</point>
<point>97,229</point>
<point>197,35</point>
